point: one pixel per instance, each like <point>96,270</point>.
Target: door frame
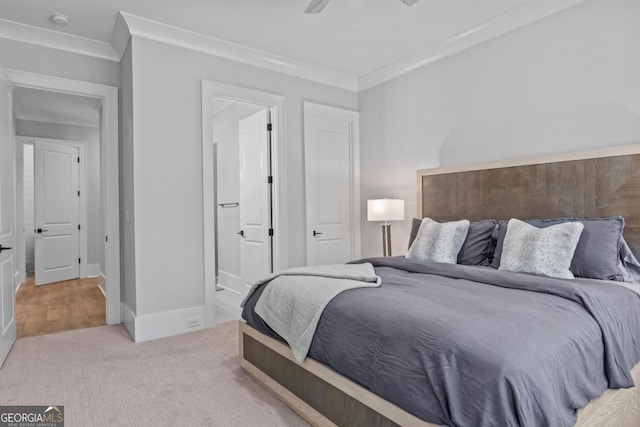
<point>354,172</point>
<point>109,173</point>
<point>276,103</point>
<point>82,184</point>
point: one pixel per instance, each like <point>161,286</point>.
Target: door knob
<point>240,233</point>
<point>315,233</point>
<point>40,231</point>
<point>3,248</point>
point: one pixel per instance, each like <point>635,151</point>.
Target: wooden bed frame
<point>597,183</point>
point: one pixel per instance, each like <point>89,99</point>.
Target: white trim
<point>354,171</point>
<point>128,319</point>
<point>143,27</point>
<point>93,270</point>
<point>514,18</point>
<point>56,40</point>
<point>101,283</point>
<point>109,179</point>
<point>211,90</point>
<point>120,36</point>
<point>57,120</point>
<point>229,281</point>
<point>160,325</point>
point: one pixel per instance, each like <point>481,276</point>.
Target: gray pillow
<point>478,246</point>
<point>598,254</point>
<point>438,242</point>
<point>545,251</point>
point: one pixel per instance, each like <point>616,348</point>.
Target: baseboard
<point>93,270</point>
<point>160,325</point>
<point>102,280</point>
<point>129,319</point>
<point>230,281</point>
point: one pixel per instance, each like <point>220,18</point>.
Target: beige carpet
<point>103,379</point>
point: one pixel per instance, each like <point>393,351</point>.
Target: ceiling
<point>353,37</point>
<point>54,107</point>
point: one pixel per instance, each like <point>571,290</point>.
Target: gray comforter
<point>473,346</point>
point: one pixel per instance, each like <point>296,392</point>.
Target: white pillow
<point>438,242</point>
<point>546,251</point>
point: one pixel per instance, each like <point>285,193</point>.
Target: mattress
<point>465,346</point>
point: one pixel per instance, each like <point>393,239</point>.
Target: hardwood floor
<point>57,307</point>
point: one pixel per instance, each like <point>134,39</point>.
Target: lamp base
<point>386,239</point>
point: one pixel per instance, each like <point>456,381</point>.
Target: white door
<point>255,197</point>
<point>331,183</point>
<point>7,211</point>
<point>57,206</point>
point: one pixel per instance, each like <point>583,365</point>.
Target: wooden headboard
<point>591,184</point>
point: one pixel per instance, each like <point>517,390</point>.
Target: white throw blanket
<point>294,300</point>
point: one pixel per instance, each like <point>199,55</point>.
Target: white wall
<point>167,172</point>
<point>226,135</point>
<point>90,135</point>
<point>568,82</point>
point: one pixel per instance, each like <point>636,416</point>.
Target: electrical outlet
<point>193,322</point>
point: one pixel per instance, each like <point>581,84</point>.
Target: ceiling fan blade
<point>409,2</point>
<point>316,6</point>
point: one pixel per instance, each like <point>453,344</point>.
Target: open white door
<point>57,206</point>
<point>331,183</point>
<point>255,197</point>
<point>7,210</point>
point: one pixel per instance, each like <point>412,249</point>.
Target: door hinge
<point>106,238</point>
<point>78,260</point>
<point>269,127</point>
<point>270,180</point>
<point>78,159</point>
<point>78,193</point>
<point>78,226</point>
<point>271,232</point>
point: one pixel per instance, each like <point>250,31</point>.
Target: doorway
<point>110,220</point>
<point>242,193</point>
<point>59,212</point>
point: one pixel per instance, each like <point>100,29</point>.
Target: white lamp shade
<point>385,210</point>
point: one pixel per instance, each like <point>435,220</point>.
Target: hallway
<point>57,307</point>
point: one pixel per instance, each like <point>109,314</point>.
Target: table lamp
<point>385,210</point>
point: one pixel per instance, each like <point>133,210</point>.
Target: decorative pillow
<point>438,242</point>
<point>477,248</point>
<point>546,251</point>
<point>599,251</point>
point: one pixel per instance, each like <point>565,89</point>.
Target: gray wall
<point>226,135</point>
<point>167,152</point>
<point>59,63</point>
<point>127,229</point>
<point>566,83</point>
<point>90,135</point>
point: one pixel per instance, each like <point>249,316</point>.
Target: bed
<point>595,184</point>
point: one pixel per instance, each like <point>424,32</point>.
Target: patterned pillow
<point>545,251</point>
<point>439,242</point>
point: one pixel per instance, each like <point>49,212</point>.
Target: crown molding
<point>120,36</point>
<point>510,20</point>
<point>169,34</point>
<point>56,120</point>
<point>56,40</point>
